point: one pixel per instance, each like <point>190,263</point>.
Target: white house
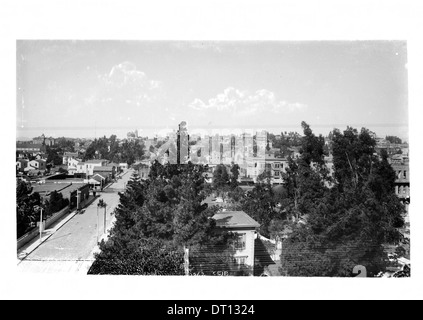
<point>242,224</point>
<point>72,166</point>
<point>87,167</point>
<point>69,156</point>
<point>36,165</point>
<point>123,165</point>
<point>21,164</point>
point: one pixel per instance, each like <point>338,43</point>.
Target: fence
<point>35,232</point>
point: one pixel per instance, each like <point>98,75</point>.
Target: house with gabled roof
<point>69,156</point>
<point>108,172</point>
<point>38,164</point>
<point>88,166</point>
<point>21,164</point>
<point>245,227</point>
<point>30,148</point>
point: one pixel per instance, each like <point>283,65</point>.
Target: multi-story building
<point>43,140</point>
<point>68,156</point>
<point>21,164</point>
<point>402,181</point>
<point>87,167</point>
<point>37,164</point>
<point>108,172</point>
<point>245,227</point>
<point>30,148</point>
<point>144,170</point>
<point>274,166</point>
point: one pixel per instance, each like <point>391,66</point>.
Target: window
<point>240,242</point>
<point>240,261</point>
<point>405,174</point>
<point>276,173</point>
<point>277,166</point>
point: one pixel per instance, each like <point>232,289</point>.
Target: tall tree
<point>234,176</point>
<point>55,203</point>
<point>312,149</point>
<point>26,202</point>
<point>260,204</point>
<point>348,224</point>
<point>221,179</point>
<point>166,210</point>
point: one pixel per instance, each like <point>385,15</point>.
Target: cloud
<point>234,108</point>
<point>124,85</point>
<point>242,103</point>
<point>197,104</point>
<point>126,75</point>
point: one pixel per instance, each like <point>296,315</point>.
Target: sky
<point>94,88</point>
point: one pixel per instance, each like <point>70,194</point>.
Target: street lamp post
<point>41,223</point>
<point>105,205</point>
<point>97,224</point>
<point>101,204</point>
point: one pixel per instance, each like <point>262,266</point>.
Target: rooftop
<point>63,188</point>
<point>275,159</point>
<point>49,187</point>
<point>96,161</point>
<point>28,145</point>
<point>235,219</point>
<point>103,168</point>
<point>98,177</point>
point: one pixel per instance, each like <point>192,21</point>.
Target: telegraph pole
<point>105,206</point>
<point>97,224</point>
<point>41,223</point>
<point>186,261</point>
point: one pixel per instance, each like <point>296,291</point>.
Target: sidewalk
<point>46,234</point>
<point>86,265</point>
<point>70,246</point>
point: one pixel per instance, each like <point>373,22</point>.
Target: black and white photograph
<point>213,158</point>
<point>207,159</point>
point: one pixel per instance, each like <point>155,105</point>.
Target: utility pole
<point>41,223</point>
<point>97,224</point>
<point>101,204</point>
<point>186,261</point>
<point>105,206</point>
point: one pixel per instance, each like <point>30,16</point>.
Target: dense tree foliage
<point>260,204</point>
<point>53,155</point>
<point>26,203</point>
<point>220,177</point>
<point>55,203</point>
<point>331,218</point>
<point>55,152</point>
<point>393,139</point>
<point>110,149</point>
<point>157,218</point>
<point>234,176</point>
<point>28,206</point>
<point>347,224</point>
<point>285,142</point>
<point>67,145</point>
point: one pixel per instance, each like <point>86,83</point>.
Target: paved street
<point>71,248</point>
